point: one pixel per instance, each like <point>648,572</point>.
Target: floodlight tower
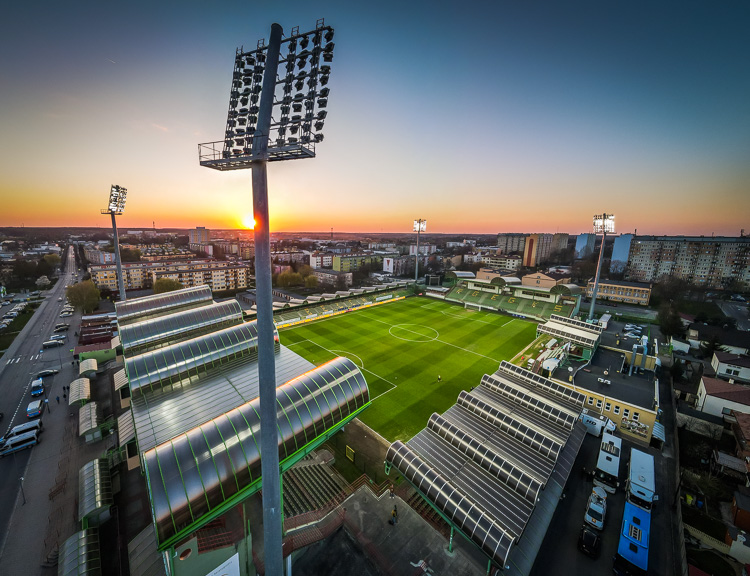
<point>117,195</point>
<point>419,226</point>
<point>266,122</point>
<point>602,223</point>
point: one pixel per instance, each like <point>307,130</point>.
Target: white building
<point>719,397</point>
<point>731,366</point>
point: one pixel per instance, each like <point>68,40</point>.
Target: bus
<point>632,549</point>
<point>608,465</point>
<point>641,488</point>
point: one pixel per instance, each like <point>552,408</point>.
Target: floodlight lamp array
<point>604,223</point>
<point>420,225</point>
<point>117,196</point>
<point>299,100</point>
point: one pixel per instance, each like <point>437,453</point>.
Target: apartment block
<point>507,243</point>
<point>537,249</point>
<point>199,235</point>
<point>141,275</point>
<point>711,262</point>
<point>321,260</point>
<point>504,262</point>
<point>352,262</point>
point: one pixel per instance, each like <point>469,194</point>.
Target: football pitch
<point>403,347</point>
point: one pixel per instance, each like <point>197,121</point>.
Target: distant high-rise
<point>559,242</point>
<point>620,253</point>
<point>711,262</point>
<point>507,243</point>
<point>585,245</point>
<point>537,249</point>
<point>200,235</point>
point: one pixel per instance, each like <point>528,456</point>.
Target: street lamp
<point>603,223</point>
<point>117,196</point>
<point>277,109</point>
<point>419,226</point>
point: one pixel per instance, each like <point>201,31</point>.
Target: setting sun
<point>248,222</point>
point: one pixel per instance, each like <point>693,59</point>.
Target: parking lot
<point>559,553</point>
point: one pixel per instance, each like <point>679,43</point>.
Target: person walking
<point>395,514</point>
<point>58,399</point>
<point>391,490</point>
<point>440,379</point>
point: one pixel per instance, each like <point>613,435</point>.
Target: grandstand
<point>502,295</point>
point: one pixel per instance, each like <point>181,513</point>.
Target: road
<point>18,366</point>
<point>736,310</point>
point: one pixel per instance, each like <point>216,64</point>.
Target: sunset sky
<point>481,117</point>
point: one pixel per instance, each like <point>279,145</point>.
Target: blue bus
<point>632,549</point>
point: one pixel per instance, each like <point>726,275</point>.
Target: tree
<point>42,282</point>
<point>311,282</point>
<point>713,344</point>
<point>162,285</point>
<point>305,271</point>
<point>128,255</point>
<point>52,259</point>
<point>669,321</point>
<point>84,296</point>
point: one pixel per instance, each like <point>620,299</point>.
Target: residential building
<point>711,262</point>
<point>732,367</point>
<point>621,291</point>
<point>199,235</point>
<point>719,397</point>
<point>560,242</point>
<point>502,261</point>
<point>219,278</point>
<point>509,243</point>
<point>585,245</point>
<point>490,274</point>
<point>140,275</point>
<point>321,260</point>
<point>96,256</point>
<point>537,249</point>
<point>331,277</point>
<point>352,262</point>
<point>620,253</point>
<point>734,341</point>
<point>399,265</point>
<point>291,256</point>
<point>423,249</point>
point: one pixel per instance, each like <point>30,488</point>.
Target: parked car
<point>596,509</point>
<point>62,328</point>
<point>52,343</point>
<point>589,542</point>
<point>58,337</point>
<point>47,372</point>
<point>66,314</point>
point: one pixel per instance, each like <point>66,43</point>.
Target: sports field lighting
<point>603,224</point>
<point>419,226</point>
<point>116,206</point>
<point>274,114</point>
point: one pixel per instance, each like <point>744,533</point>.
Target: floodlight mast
<point>419,226</point>
<point>116,206</point>
<point>246,144</point>
<point>602,223</point>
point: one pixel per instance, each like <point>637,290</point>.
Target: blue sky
<point>478,116</point>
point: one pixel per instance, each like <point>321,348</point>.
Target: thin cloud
<point>160,127</point>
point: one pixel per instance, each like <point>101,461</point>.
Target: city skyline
<point>479,119</point>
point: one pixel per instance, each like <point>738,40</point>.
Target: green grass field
<point>402,348</point>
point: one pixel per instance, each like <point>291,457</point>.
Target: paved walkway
<point>46,512</point>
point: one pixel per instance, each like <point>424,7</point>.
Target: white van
<point>33,426</point>
<point>20,442</point>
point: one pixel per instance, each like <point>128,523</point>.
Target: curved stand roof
<point>170,364</point>
<point>149,334</point>
<point>219,462</point>
<point>160,304</point>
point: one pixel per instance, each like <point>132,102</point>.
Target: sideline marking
<point>393,386</point>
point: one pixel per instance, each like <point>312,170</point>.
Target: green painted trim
<point>253,487</point>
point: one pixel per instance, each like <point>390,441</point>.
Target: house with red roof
<point>719,397</point>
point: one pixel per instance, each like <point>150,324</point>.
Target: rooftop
<point>637,389</point>
<point>733,359</point>
<point>722,389</point>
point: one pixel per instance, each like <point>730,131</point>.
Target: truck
<point>596,424</point>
